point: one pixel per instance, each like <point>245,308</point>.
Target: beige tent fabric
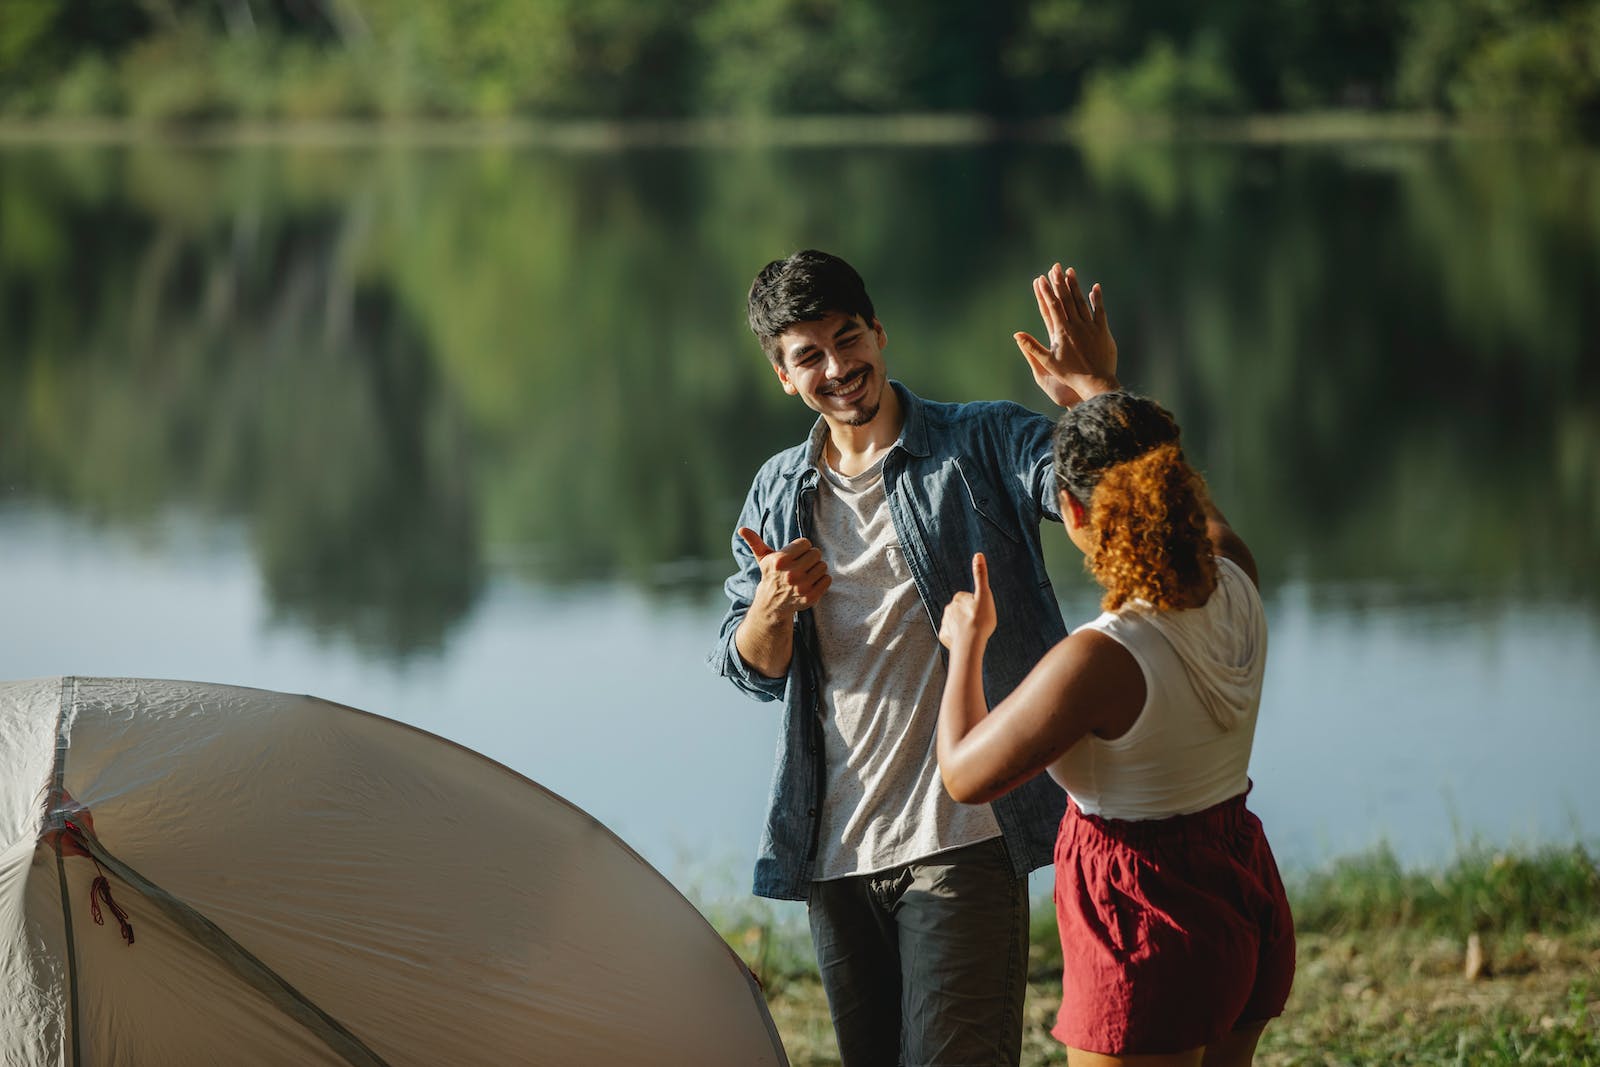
<point>310,884</point>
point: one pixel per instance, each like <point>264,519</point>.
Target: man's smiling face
<point>835,365</point>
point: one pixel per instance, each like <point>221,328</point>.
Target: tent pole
<point>69,688</point>
<point>234,956</point>
<point>72,957</point>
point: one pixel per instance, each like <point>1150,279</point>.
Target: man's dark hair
<point>807,286</point>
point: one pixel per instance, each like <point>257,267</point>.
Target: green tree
<point>1166,82</point>
<point>1515,59</point>
<point>551,57</point>
<point>40,39</point>
<point>801,57</point>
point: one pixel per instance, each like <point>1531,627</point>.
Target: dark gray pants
<point>926,964</point>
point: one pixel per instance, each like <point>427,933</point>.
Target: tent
<point>203,874</point>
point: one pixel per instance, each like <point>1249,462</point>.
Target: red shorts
<point>1174,932</point>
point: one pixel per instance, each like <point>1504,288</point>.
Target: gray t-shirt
<point>882,680</point>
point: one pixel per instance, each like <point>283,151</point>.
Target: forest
<point>1008,61</point>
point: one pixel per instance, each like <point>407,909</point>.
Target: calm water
<point>458,436</point>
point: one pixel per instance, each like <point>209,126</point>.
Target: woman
<point>1176,937</point>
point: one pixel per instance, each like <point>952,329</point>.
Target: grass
<point>1484,890</point>
<point>1383,974</point>
<point>1402,996</point>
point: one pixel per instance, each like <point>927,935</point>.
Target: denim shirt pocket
<point>987,502</point>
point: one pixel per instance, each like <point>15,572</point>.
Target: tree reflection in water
<point>403,369</point>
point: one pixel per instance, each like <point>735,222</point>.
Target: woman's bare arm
<point>1225,542</point>
<point>1088,682</point>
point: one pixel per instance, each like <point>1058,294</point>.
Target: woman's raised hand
<point>970,615</point>
<point>1081,359</point>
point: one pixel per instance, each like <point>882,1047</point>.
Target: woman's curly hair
<point>1118,455</point>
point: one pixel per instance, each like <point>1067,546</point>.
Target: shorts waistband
<point>1226,817</point>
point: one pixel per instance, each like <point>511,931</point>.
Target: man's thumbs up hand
<point>793,577</point>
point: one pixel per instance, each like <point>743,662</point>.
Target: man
<point>849,546</point>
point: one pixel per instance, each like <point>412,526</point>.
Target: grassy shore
<point>1492,960</point>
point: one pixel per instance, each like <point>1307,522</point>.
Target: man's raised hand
<point>1081,359</point>
<point>970,614</point>
<point>793,577</point>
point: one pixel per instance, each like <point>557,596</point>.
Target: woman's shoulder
<point>1128,626</point>
<point>1234,611</point>
<point>1107,622</point>
<point>1227,565</point>
<point>1236,592</point>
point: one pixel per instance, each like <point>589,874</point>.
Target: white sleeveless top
<point>1190,746</point>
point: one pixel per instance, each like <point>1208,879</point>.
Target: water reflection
<point>457,436</point>
<point>232,362</point>
<point>401,370</point>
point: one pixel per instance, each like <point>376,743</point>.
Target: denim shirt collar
<point>914,434</point>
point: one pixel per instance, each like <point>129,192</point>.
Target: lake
<point>458,434</point>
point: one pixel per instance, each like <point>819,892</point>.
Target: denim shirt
<point>962,478</point>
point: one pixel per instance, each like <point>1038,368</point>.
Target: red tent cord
<point>100,889</point>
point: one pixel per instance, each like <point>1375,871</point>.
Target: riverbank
<point>954,129</point>
<point>1493,960</point>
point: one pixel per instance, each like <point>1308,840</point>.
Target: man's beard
<point>863,416</point>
